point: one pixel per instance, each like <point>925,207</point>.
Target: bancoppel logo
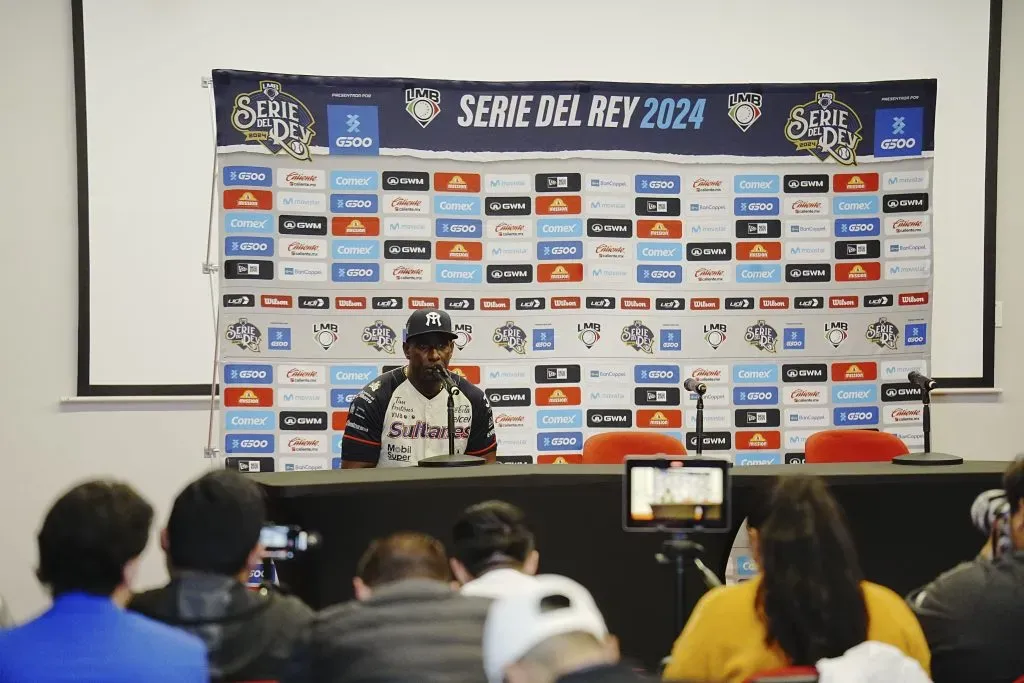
<point>507,206</point>
<point>353,180</point>
<point>509,251</point>
<point>808,228</point>
<point>908,270</point>
<point>902,414</point>
<point>609,206</point>
<point>908,225</point>
<point>821,272</point>
<point>806,206</point>
<point>905,180</point>
<point>913,438</point>
<point>509,229</point>
<point>520,273</point>
<point>556,374</point>
<point>609,227</point>
<point>764,229</point>
<point>709,251</point>
<point>745,109</point>
<point>806,251</point>
<point>248,270</point>
<point>608,374</point>
<point>700,208</point>
<point>516,182</point>
<point>612,184</point>
<point>758,273</point>
<point>905,203</point>
<point>406,249</point>
<point>557,182</point>
<point>809,372</point>
<point>795,184</point>
<point>797,418</point>
<point>757,417</point>
<point>858,250</point>
<point>654,206</point>
<point>804,395</point>
<point>603,419</point>
<point>906,248</point>
<point>825,127</point>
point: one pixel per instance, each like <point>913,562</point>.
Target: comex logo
<point>275,119</point>
<point>423,104</point>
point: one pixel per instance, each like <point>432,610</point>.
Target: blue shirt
<point>86,638</point>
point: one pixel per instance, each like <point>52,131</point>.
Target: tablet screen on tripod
<point>676,494</point>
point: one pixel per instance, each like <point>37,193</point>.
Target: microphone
<point>690,384</point>
<point>446,379</point>
<point>926,383</point>
<point>986,507</point>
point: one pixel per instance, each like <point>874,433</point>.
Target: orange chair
<point>853,445</point>
<point>790,674</point>
<point>610,448</point>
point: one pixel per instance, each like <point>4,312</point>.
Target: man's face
<point>426,352</point>
<point>1017,526</point>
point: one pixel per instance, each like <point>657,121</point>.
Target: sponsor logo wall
<point>776,246</point>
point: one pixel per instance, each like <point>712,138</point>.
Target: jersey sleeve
<point>361,441</point>
<point>481,431</point>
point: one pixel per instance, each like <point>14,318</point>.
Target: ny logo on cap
<point>433,319</point>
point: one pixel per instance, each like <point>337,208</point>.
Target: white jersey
<point>391,424</point>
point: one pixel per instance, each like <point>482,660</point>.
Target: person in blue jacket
<point>89,548</point>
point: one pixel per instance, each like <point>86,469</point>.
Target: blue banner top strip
<point>303,116</point>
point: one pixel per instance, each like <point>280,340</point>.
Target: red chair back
<point>853,445</point>
<point>611,448</point>
<point>789,674</point>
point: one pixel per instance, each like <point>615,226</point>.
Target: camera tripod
<point>677,551</point>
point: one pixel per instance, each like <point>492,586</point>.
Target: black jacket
<point>973,618</point>
<point>249,635</point>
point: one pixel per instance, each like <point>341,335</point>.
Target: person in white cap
<point>550,630</point>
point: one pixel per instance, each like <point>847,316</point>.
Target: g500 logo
<point>825,127</point>
<point>275,119</point>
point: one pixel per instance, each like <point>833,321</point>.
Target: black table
<point>909,523</point>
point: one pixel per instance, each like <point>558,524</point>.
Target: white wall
<point>159,448</point>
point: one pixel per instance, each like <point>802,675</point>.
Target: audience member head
<point>1013,484</point>
<point>760,506</point>
<point>91,540</point>
<point>399,557</point>
<point>544,631</point>
<point>215,525</point>
<point>810,596</point>
<point>492,535</point>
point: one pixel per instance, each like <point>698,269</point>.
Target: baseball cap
<point>427,320</point>
<point>550,605</point>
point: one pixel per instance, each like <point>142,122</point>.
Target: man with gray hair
<point>548,631</point>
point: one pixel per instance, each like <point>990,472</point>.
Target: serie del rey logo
<point>511,337</point>
<point>883,334</point>
<point>244,335</point>
<point>275,119</point>
<point>825,127</point>
<point>762,336</point>
<point>380,336</point>
<point>638,336</point>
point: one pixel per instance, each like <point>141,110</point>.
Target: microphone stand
<point>452,459</point>
<point>700,421</point>
<point>927,457</point>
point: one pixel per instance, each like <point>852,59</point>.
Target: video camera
<point>676,494</point>
<point>283,542</point>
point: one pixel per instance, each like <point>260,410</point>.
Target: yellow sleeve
<point>691,657</point>
<point>917,644</point>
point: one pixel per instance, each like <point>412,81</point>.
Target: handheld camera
<point>283,542</point>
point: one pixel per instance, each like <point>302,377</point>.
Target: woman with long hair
<point>809,601</point>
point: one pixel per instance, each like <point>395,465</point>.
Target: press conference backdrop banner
<point>595,244</point>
